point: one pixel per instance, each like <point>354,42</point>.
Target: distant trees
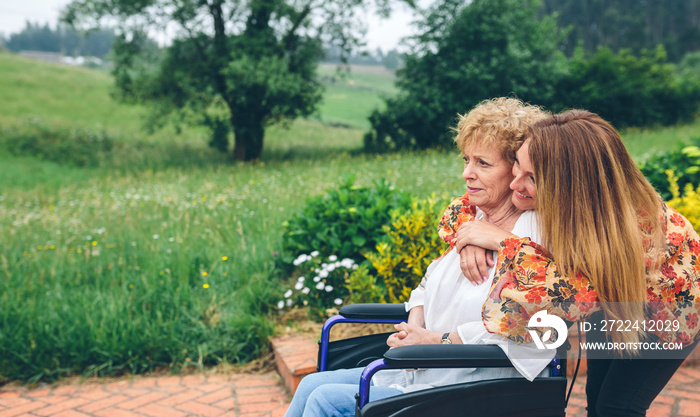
<point>233,66</point>
<point>66,40</point>
<point>630,24</point>
<point>464,55</point>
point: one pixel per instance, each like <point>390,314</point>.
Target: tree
<point>463,55</point>
<point>248,63</point>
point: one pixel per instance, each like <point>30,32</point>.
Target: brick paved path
<point>236,395</point>
<point>248,395</point>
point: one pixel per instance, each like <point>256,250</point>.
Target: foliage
<point>687,204</point>
<point>411,244</point>
<point>365,287</point>
<point>684,161</point>
<point>345,221</point>
<point>68,145</point>
<point>325,290</point>
<point>625,24</point>
<point>463,55</point>
<point>34,37</point>
<point>628,90</point>
<point>255,60</point>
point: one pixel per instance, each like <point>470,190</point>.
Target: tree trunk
<point>248,143</point>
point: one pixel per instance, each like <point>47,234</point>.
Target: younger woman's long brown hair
<point>599,215</point>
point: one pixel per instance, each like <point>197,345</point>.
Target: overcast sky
<point>382,33</point>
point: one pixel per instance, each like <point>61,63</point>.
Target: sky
<point>382,33</point>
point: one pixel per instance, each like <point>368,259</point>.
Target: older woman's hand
<point>411,334</point>
<point>480,233</point>
<point>475,262</point>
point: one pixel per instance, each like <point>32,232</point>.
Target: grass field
<point>164,255</point>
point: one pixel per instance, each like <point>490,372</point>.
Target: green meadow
<point>162,254</point>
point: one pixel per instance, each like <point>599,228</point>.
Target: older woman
<point>446,308</point>
<point>616,253</point>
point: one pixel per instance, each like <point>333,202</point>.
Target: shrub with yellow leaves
<point>687,204</point>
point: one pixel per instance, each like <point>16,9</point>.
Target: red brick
<point>192,380</point>
<point>173,389</point>
<point>168,381</point>
<point>117,412</point>
<point>65,389</point>
<point>684,394</point>
<point>571,411</point>
<point>209,387</point>
<point>659,410</point>
<point>663,399</point>
<point>689,408</point>
<point>155,410</point>
<point>255,391</point>
<point>142,400</point>
<point>180,398</point>
<point>104,403</point>
<point>279,411</point>
<point>144,383</point>
<point>218,378</point>
<point>257,407</point>
<point>255,380</point>
<point>94,395</point>
<point>25,408</point>
<point>9,394</point>
<point>119,385</point>
<point>54,399</point>
<point>261,398</point>
<point>227,404</point>
<point>71,413</point>
<point>216,396</point>
<point>13,402</point>
<point>61,406</point>
<point>201,409</point>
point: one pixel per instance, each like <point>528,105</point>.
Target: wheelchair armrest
<point>371,311</point>
<point>447,356</point>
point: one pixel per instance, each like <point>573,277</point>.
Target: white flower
<point>298,285</point>
<point>320,286</point>
<point>280,305</point>
<point>317,279</point>
<point>347,263</point>
<point>156,236</point>
<point>288,294</point>
<point>337,301</point>
<point>306,290</point>
<point>301,279</point>
<point>330,267</point>
<point>314,253</point>
<point>329,288</point>
<point>172,239</point>
<point>289,302</point>
<point>323,274</point>
<point>332,258</point>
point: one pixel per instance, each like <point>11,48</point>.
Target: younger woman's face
<point>523,186</point>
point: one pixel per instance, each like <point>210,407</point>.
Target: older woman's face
<point>487,175</point>
<point>523,185</point>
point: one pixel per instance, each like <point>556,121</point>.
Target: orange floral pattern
<point>527,281</point>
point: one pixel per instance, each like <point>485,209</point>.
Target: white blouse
<point>451,302</point>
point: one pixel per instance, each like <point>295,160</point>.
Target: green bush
<point>400,260</point>
<point>683,160</point>
<point>77,146</point>
<point>628,90</point>
<point>345,221</point>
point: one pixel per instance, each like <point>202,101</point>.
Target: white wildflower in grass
<point>306,290</point>
<point>301,279</point>
<point>317,279</point>
<point>288,294</point>
<point>172,239</point>
<point>289,302</point>
<point>133,243</point>
<point>320,286</point>
<point>314,254</point>
<point>298,285</point>
<point>323,273</point>
<point>280,305</point>
<point>337,301</point>
<point>155,236</point>
<point>329,288</point>
<point>332,258</point>
<point>347,263</point>
<point>330,268</point>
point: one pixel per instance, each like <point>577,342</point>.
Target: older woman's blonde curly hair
<point>501,122</point>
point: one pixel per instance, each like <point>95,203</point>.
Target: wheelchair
<point>543,397</point>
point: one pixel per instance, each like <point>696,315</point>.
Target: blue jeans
<point>332,394</point>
